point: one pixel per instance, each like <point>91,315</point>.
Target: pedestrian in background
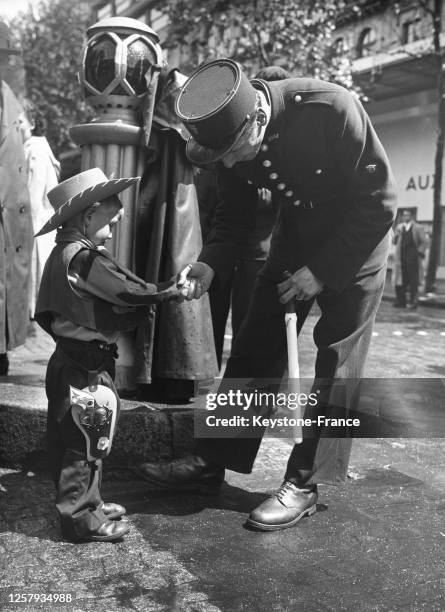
<point>16,235</point>
<point>43,175</point>
<point>410,246</point>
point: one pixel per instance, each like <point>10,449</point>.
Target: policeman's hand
<point>195,280</point>
<point>302,285</point>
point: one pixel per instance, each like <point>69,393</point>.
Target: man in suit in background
<point>312,145</point>
<point>411,242</point>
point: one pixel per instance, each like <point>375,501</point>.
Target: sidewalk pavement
<point>376,543</point>
<point>433,300</point>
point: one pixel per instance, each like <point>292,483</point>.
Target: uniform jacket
<point>16,237</point>
<point>420,241</point>
<point>89,288</point>
<point>325,166</point>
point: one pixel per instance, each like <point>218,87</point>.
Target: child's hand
<point>168,291</point>
<point>195,280</point>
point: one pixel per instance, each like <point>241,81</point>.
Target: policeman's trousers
<point>342,336</point>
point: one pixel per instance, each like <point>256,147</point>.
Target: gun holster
<point>94,411</point>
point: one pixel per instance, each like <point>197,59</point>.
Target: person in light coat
<point>16,236</point>
<point>43,175</point>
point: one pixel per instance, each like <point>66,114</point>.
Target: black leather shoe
<point>4,364</point>
<point>284,508</point>
<point>109,531</point>
<point>112,511</point>
<point>191,473</point>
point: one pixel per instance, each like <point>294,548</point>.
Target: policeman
<point>313,146</point>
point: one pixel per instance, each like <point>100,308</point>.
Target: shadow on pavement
<point>171,503</point>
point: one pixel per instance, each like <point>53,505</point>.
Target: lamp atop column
<point>116,64</point>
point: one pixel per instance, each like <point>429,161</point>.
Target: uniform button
<point>2,207</point>
<point>289,193</point>
<point>318,171</point>
<point>264,147</point>
<point>298,98</point>
<point>267,163</point>
<point>22,210</point>
<point>18,248</point>
<point>249,182</point>
<point>297,202</point>
<point>273,176</point>
<point>281,186</point>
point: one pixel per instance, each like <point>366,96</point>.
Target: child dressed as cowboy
<point>85,299</point>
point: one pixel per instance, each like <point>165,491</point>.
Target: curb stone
<point>145,432</point>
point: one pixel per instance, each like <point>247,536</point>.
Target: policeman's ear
<point>261,117</point>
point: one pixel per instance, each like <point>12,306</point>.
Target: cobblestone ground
<point>376,543</point>
<point>405,343</point>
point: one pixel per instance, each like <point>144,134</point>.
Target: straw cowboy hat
<point>77,193</point>
<point>5,41</point>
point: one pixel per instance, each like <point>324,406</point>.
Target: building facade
<point>392,45</point>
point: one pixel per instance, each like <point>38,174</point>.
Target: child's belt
<point>88,345</point>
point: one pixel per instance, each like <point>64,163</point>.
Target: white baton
<point>293,385</point>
